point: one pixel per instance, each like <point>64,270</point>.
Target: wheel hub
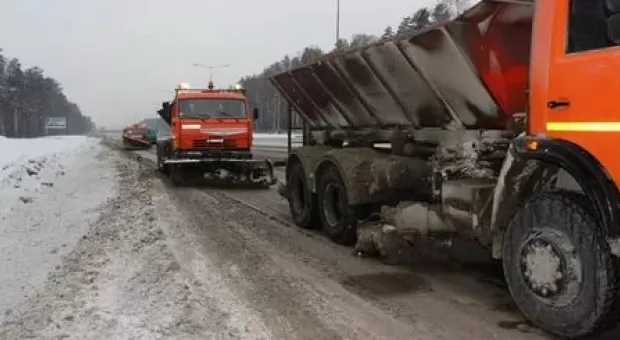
<point>543,268</point>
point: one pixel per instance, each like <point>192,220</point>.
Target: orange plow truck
<point>211,136</point>
<point>503,126</point>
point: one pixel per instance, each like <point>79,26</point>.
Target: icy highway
<point>164,262</point>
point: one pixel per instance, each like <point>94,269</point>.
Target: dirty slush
<point>121,280</point>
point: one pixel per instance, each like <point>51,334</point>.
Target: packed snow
<point>15,151</point>
<point>273,140</point>
<point>50,189</point>
<point>91,258</point>
<point>280,136</point>
<point>97,245</point>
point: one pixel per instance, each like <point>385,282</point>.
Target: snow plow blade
<point>462,73</point>
<point>228,172</point>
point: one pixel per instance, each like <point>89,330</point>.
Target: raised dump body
<point>470,72</point>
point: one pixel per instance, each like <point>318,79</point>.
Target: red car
<point>136,136</point>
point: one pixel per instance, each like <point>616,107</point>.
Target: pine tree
<point>388,33</point>
<point>28,97</point>
<point>403,27</point>
<point>440,13</point>
<point>420,19</point>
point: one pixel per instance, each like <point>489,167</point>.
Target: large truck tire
<point>337,218</point>
<point>176,174</point>
<point>163,168</point>
<point>302,203</point>
<point>559,268</point>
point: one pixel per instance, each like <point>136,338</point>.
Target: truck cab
<point>574,82</point>
<point>211,134</point>
<point>211,119</point>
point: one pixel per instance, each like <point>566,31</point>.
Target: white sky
<point>119,59</point>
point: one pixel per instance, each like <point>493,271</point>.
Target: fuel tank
<point>471,72</point>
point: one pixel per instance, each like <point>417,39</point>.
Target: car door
<point>583,97</point>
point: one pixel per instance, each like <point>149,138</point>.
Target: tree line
<point>28,98</point>
<point>273,106</point>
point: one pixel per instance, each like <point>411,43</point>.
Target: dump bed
<point>471,71</point>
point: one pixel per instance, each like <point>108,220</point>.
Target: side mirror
<point>613,6</point>
<point>255,113</point>
<point>164,113</point>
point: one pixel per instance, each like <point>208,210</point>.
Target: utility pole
<point>337,21</point>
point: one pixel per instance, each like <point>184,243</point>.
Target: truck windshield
<point>212,108</point>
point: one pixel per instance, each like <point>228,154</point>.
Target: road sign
<point>56,123</point>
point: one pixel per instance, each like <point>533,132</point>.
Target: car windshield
<point>152,124</point>
<point>212,108</point>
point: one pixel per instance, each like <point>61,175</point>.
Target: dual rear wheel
<point>329,208</point>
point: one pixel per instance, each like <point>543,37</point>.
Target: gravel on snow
<point>48,199</point>
<point>121,281</point>
<point>181,263</point>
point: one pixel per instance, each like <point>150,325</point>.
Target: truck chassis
<point>460,162</point>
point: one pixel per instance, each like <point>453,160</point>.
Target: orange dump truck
<point>502,125</point>
<point>211,136</point>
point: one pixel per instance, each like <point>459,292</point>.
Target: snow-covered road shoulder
<point>121,280</point>
<point>50,189</point>
<point>29,166</point>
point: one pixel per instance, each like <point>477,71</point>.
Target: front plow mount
<point>221,172</point>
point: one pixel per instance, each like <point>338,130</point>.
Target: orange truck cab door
<point>576,77</point>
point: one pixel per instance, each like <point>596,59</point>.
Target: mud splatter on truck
<point>500,130</point>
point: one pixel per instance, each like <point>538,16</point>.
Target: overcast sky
<point>119,59</point>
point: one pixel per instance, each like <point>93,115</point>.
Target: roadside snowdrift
<point>50,189</point>
<point>27,165</point>
<point>16,150</point>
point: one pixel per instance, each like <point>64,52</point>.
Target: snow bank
<point>50,191</point>
<point>274,140</point>
<point>13,151</point>
<point>284,136</point>
<point>26,164</point>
